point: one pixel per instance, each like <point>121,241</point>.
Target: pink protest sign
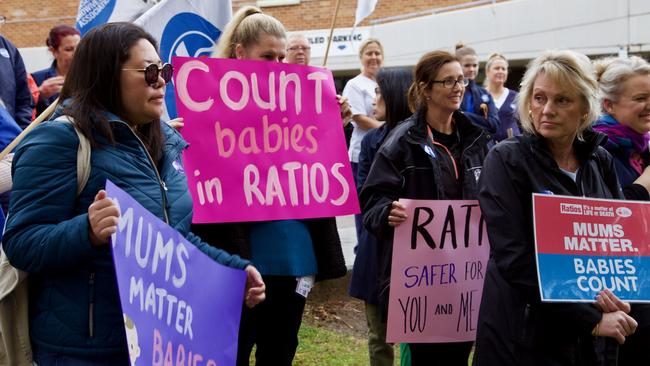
<point>266,141</point>
<point>440,255</point>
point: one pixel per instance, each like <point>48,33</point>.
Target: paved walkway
<point>348,235</point>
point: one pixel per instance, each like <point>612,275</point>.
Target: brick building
<point>28,21</point>
<point>317,14</point>
<point>407,28</point>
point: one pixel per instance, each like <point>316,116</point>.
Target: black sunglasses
<point>152,72</point>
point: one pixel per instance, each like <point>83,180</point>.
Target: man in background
<point>14,90</point>
<point>298,50</point>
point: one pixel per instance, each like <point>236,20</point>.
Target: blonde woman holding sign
<point>559,155</point>
<point>289,253</point>
<point>114,94</point>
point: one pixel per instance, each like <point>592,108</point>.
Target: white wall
<point>36,58</point>
<point>520,29</point>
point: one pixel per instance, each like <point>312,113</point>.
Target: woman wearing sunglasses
<point>114,93</point>
<point>436,154</point>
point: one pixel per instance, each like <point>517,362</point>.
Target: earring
<point>584,118</point>
<point>530,114</point>
<point>428,98</point>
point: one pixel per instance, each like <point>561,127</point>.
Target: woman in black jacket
<point>477,102</point>
<point>625,88</point>
<point>558,155</point>
<point>391,106</point>
<point>435,154</point>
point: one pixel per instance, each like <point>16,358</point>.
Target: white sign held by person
<point>188,28</point>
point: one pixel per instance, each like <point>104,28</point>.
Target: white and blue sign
<point>185,28</point>
<point>575,277</point>
<point>96,12</point>
<point>189,35</point>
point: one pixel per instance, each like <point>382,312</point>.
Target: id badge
<point>305,285</point>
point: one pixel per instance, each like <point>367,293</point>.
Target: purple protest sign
<point>180,307</point>
<point>266,141</point>
<point>440,255</point>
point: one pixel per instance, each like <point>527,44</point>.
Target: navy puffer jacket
<point>74,301</point>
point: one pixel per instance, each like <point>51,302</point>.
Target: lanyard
<point>453,161</point>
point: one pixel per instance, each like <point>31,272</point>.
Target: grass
<point>323,347</point>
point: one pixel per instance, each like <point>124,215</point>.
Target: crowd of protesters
<point>575,127</point>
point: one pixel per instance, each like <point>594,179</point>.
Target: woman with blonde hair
<point>286,252</point>
<point>625,90</point>
<point>360,92</point>
<point>477,103</point>
<point>559,155</point>
<point>496,74</point>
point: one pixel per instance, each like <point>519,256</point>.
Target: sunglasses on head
<point>152,72</point>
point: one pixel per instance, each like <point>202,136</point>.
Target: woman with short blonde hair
<point>571,70</point>
<point>496,74</point>
<point>557,155</point>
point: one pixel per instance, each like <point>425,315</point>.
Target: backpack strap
<point>83,154</point>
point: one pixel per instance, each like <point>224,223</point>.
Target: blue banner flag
<point>185,28</point>
<point>95,12</point>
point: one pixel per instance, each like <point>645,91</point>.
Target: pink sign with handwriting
<point>440,254</point>
<point>266,141</point>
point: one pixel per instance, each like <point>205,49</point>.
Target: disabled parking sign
<point>586,245</point>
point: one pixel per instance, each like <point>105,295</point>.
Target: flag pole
<point>329,40</point>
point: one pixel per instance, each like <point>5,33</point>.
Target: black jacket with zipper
<point>408,165</point>
<point>514,326</point>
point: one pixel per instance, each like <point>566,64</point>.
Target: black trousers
<point>635,349</point>
<point>443,354</point>
<point>272,325</point>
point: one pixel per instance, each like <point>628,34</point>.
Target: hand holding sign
<point>103,216</point>
<point>397,214</point>
<point>607,302</point>
<point>176,123</point>
<point>617,325</point>
<point>255,287</point>
<point>346,110</point>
